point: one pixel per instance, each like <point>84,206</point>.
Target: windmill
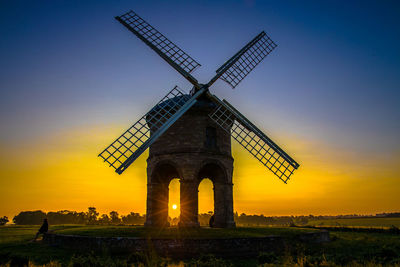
<point>189,134</point>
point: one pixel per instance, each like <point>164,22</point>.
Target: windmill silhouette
<point>189,135</point>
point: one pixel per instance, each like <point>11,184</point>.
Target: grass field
<point>174,232</point>
<point>359,222</point>
<point>345,249</point>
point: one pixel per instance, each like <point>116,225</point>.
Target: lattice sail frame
<point>254,141</point>
<point>139,133</point>
<point>143,29</point>
<point>246,62</point>
<point>125,149</point>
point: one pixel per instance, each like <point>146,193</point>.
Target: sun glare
<point>174,207</point>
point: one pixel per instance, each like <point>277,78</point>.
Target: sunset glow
<point>74,80</point>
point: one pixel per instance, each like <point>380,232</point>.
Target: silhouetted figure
<point>211,223</point>
<point>43,229</point>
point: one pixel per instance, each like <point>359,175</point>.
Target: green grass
<point>346,248</point>
<point>16,242</point>
<point>368,247</point>
<point>23,233</point>
<point>358,222</point>
<point>176,233</point>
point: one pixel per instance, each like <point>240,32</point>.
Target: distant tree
<point>302,220</point>
<point>29,217</point>
<point>104,219</point>
<point>92,215</point>
<point>114,217</point>
<point>81,217</point>
<point>133,218</point>
<point>66,217</point>
<point>254,220</point>
<point>3,220</point>
<point>174,221</point>
<point>60,217</point>
<point>204,218</point>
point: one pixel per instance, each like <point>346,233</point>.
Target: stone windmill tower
<point>189,135</point>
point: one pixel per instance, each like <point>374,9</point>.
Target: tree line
<point>4,220</point>
<point>73,217</point>
<point>91,216</point>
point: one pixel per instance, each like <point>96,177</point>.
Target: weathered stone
<point>185,247</point>
<point>192,149</point>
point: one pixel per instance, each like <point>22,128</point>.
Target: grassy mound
<point>180,233</point>
<point>345,249</point>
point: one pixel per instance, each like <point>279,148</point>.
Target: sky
<point>73,79</point>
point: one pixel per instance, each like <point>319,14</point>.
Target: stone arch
<point>174,199</point>
<point>214,170</point>
<point>223,197</point>
<point>158,193</point>
<point>164,171</point>
<point>205,200</point>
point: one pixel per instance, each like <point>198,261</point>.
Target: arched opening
<point>158,195</point>
<point>174,208</point>
<point>206,201</point>
<point>223,199</point>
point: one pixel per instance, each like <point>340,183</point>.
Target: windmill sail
<point>134,141</point>
<point>170,52</point>
<point>253,140</point>
<point>243,62</point>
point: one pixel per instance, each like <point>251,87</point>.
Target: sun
<point>174,207</point>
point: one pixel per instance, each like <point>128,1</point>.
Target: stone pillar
<point>189,204</point>
<point>157,205</point>
<point>223,205</point>
<point>193,148</point>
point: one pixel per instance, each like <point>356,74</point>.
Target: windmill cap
<point>202,103</point>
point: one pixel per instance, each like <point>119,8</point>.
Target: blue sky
<point>333,80</point>
<point>336,67</point>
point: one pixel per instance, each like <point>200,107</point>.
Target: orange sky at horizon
<point>62,172</point>
<point>73,79</point>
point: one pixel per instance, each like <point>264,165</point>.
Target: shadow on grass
<point>346,249</point>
